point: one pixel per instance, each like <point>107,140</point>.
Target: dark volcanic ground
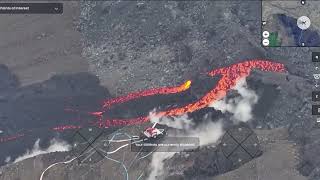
<point>39,107</point>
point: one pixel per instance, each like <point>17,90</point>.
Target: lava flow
<point>11,138</point>
<point>230,76</point>
<point>149,92</point>
<point>66,127</point>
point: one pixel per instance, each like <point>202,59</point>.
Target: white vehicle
<point>153,131</point>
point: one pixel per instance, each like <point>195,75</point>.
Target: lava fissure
<point>150,92</point>
<point>229,77</point>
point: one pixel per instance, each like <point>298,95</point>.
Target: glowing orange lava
<point>149,92</point>
<point>65,127</point>
<point>230,76</point>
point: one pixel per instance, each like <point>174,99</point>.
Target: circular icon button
<point>265,34</point>
<point>265,42</point>
<point>303,22</point>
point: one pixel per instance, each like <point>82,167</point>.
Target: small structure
<point>153,132</point>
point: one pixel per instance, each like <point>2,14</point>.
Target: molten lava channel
<point>229,77</point>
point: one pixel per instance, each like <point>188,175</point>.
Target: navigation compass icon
<point>303,22</point>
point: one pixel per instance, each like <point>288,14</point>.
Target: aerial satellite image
<point>160,90</point>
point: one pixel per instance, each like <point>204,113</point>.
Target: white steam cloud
<point>240,107</point>
<point>8,159</point>
<point>179,122</point>
<point>208,132</point>
<point>157,163</point>
<point>55,146</point>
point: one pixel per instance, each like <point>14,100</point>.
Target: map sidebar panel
<point>290,23</point>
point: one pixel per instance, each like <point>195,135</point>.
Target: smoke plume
<point>240,107</point>
<point>55,146</point>
<point>178,122</point>
<point>208,132</point>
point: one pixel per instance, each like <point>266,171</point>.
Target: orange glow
<point>187,84</point>
<point>65,127</point>
<point>230,76</point>
<point>150,92</point>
